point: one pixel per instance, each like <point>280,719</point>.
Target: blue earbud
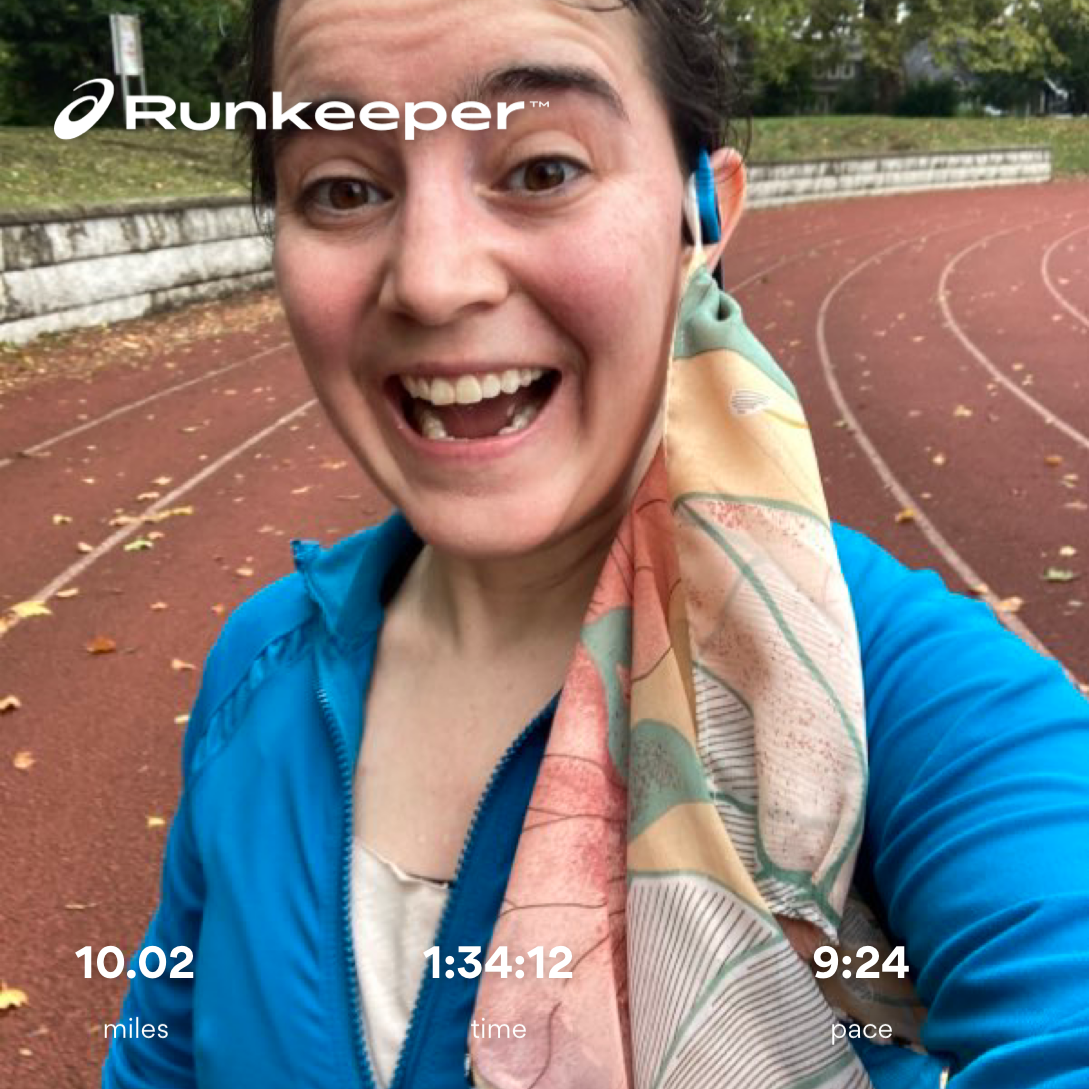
<point>705,192</point>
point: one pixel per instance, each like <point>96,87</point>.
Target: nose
<point>443,261</point>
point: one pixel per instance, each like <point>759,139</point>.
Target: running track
<point>895,316</point>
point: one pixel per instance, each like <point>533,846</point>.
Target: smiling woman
<point>609,733</point>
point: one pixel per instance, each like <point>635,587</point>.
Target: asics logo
<point>66,128</point>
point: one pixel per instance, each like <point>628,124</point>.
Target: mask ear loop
<point>701,211</point>
<point>692,211</point>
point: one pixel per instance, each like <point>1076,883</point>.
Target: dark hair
<point>684,42</point>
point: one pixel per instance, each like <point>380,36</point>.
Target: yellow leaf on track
<point>26,609</point>
<point>23,760</point>
<point>181,720</point>
<point>962,411</point>
<point>62,520</point>
<point>9,704</point>
<point>906,515</point>
<point>101,644</point>
<point>1068,550</point>
<point>1053,460</point>
<point>159,606</point>
<point>67,595</point>
<point>141,544</point>
<point>155,822</point>
<point>12,998</point>
<point>162,481</point>
<point>244,572</point>
<point>1010,605</point>
<point>179,666</point>
<point>84,547</point>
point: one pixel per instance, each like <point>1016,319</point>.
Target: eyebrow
<point>526,79</point>
<point>503,83</point>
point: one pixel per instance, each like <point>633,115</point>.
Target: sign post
<point>128,55</point>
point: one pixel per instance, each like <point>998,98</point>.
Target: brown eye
<point>343,195</point>
<point>544,175</point>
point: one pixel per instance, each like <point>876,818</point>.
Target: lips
<point>473,406</point>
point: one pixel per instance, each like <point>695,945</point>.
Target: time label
<point>830,961</point>
<point>499,962</point>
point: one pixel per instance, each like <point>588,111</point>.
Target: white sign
<point>128,51</point>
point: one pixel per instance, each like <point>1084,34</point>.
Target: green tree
<point>53,45</point>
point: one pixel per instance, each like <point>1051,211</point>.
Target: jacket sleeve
<point>977,825</point>
<point>159,1061</point>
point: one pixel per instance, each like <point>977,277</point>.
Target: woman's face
<point>460,265</point>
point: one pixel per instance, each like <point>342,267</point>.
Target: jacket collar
<point>351,581</point>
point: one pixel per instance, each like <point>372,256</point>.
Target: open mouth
<point>476,406</point>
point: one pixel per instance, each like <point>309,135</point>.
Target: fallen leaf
<point>61,520</point>
<point>1068,550</point>
<point>124,520</point>
<point>26,609</point>
<point>87,479</point>
<point>1011,605</point>
<point>66,595</point>
<point>173,512</point>
<point>1076,504</point>
<point>301,491</point>
<point>155,822</point>
<point>12,998</point>
<point>1053,459</point>
<point>1018,366</point>
<point>181,720</point>
<point>84,547</point>
<point>141,544</point>
<point>75,906</point>
<point>10,703</point>
<point>159,606</point>
<point>23,760</point>
<point>219,609</point>
<point>1059,574</point>
<point>101,644</point>
<point>962,410</point>
<point>178,665</point>
<point>147,497</point>
<point>333,465</point>
<point>981,588</point>
<point>244,572</point>
<point>938,459</point>
<point>162,481</point>
<point>906,515</point>
<point>156,535</point>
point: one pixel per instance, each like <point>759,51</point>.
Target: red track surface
<point>848,297</point>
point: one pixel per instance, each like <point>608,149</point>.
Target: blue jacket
<point>976,852</point>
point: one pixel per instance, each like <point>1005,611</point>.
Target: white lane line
<point>929,530</point>
<point>46,592</point>
<point>981,357</point>
<point>1045,272</point>
<point>121,410</point>
<point>807,251</point>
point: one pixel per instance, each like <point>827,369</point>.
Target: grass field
<point>37,169</point>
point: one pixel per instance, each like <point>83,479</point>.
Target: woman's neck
<point>495,609</point>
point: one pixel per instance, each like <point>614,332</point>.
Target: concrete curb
<point>68,268</point>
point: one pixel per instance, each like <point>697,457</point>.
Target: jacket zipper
<point>362,1060</point>
<point>411,1047</point>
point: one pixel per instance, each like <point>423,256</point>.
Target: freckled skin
<point>455,266</point>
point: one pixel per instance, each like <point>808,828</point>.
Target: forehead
<point>417,50</point>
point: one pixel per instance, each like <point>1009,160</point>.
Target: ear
<point>730,183</point>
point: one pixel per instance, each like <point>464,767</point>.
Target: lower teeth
<point>431,426</point>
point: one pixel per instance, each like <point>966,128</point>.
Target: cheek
<point>321,293</point>
<point>615,293</point>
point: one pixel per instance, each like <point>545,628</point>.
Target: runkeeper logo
<point>66,128</point>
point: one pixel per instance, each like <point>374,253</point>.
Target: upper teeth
<point>468,389</point>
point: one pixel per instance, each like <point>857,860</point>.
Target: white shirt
<point>395,917</point>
